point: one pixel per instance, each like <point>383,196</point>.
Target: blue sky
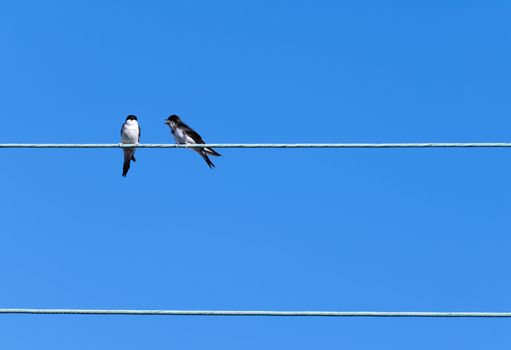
<point>380,230</point>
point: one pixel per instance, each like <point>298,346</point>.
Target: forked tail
<point>204,155</point>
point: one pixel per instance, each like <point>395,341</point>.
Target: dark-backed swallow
<point>130,135</point>
<point>186,135</point>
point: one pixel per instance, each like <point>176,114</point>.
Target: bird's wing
<point>192,133</point>
<point>139,133</point>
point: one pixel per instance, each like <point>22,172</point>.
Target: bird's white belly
<point>181,137</point>
<point>130,135</point>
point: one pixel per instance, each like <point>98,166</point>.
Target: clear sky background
<point>379,230</point>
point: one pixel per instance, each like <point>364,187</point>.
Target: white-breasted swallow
<point>130,135</point>
<point>186,135</point>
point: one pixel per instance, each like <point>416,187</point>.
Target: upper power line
<point>257,313</point>
<point>266,145</point>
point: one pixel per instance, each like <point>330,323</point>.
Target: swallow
<point>186,135</point>
<point>130,135</point>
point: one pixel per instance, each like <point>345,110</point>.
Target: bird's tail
<point>212,152</point>
<point>125,167</point>
<point>204,155</point>
<point>129,155</point>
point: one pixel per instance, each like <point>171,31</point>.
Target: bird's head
<point>172,120</point>
<point>131,117</point>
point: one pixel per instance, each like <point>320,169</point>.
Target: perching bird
<point>130,135</point>
<point>186,135</point>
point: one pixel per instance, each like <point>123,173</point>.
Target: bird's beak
<point>166,122</point>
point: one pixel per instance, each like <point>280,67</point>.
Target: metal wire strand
<point>267,145</point>
<point>256,313</point>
